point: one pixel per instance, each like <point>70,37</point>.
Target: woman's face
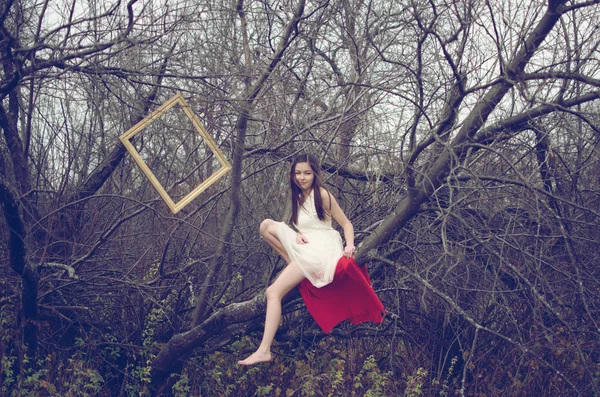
<point>304,176</point>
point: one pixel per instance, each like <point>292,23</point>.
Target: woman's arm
<point>331,205</point>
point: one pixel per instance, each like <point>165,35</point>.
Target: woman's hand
<point>349,251</point>
<point>301,239</point>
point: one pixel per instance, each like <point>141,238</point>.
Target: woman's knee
<point>273,293</point>
<point>265,226</point>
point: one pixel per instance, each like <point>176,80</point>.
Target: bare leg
<point>267,230</point>
<point>290,277</point>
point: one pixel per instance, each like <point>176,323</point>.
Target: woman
<point>311,253</point>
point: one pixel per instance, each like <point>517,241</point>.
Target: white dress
<point>318,258</point>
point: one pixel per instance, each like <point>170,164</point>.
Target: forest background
<point>460,137</point>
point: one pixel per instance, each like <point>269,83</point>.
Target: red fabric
<point>348,297</point>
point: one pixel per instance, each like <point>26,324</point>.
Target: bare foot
<point>256,357</point>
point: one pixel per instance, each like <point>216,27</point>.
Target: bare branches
<point>471,125</point>
<point>461,139</point>
<point>478,327</point>
<point>96,179</point>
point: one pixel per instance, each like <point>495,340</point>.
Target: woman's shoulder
<point>324,192</point>
<point>326,198</point>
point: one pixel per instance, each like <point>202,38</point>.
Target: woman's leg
<point>290,277</point>
<point>268,231</point>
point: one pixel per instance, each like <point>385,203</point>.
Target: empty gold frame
<point>165,107</point>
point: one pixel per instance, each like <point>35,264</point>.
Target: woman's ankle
<point>263,350</point>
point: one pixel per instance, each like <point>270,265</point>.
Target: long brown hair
<point>297,197</point>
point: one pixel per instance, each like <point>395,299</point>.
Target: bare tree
<point>460,136</point>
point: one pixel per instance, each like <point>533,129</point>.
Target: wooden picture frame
<point>178,99</point>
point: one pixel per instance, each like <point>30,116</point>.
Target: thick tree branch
<point>521,120</point>
<point>234,313</point>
